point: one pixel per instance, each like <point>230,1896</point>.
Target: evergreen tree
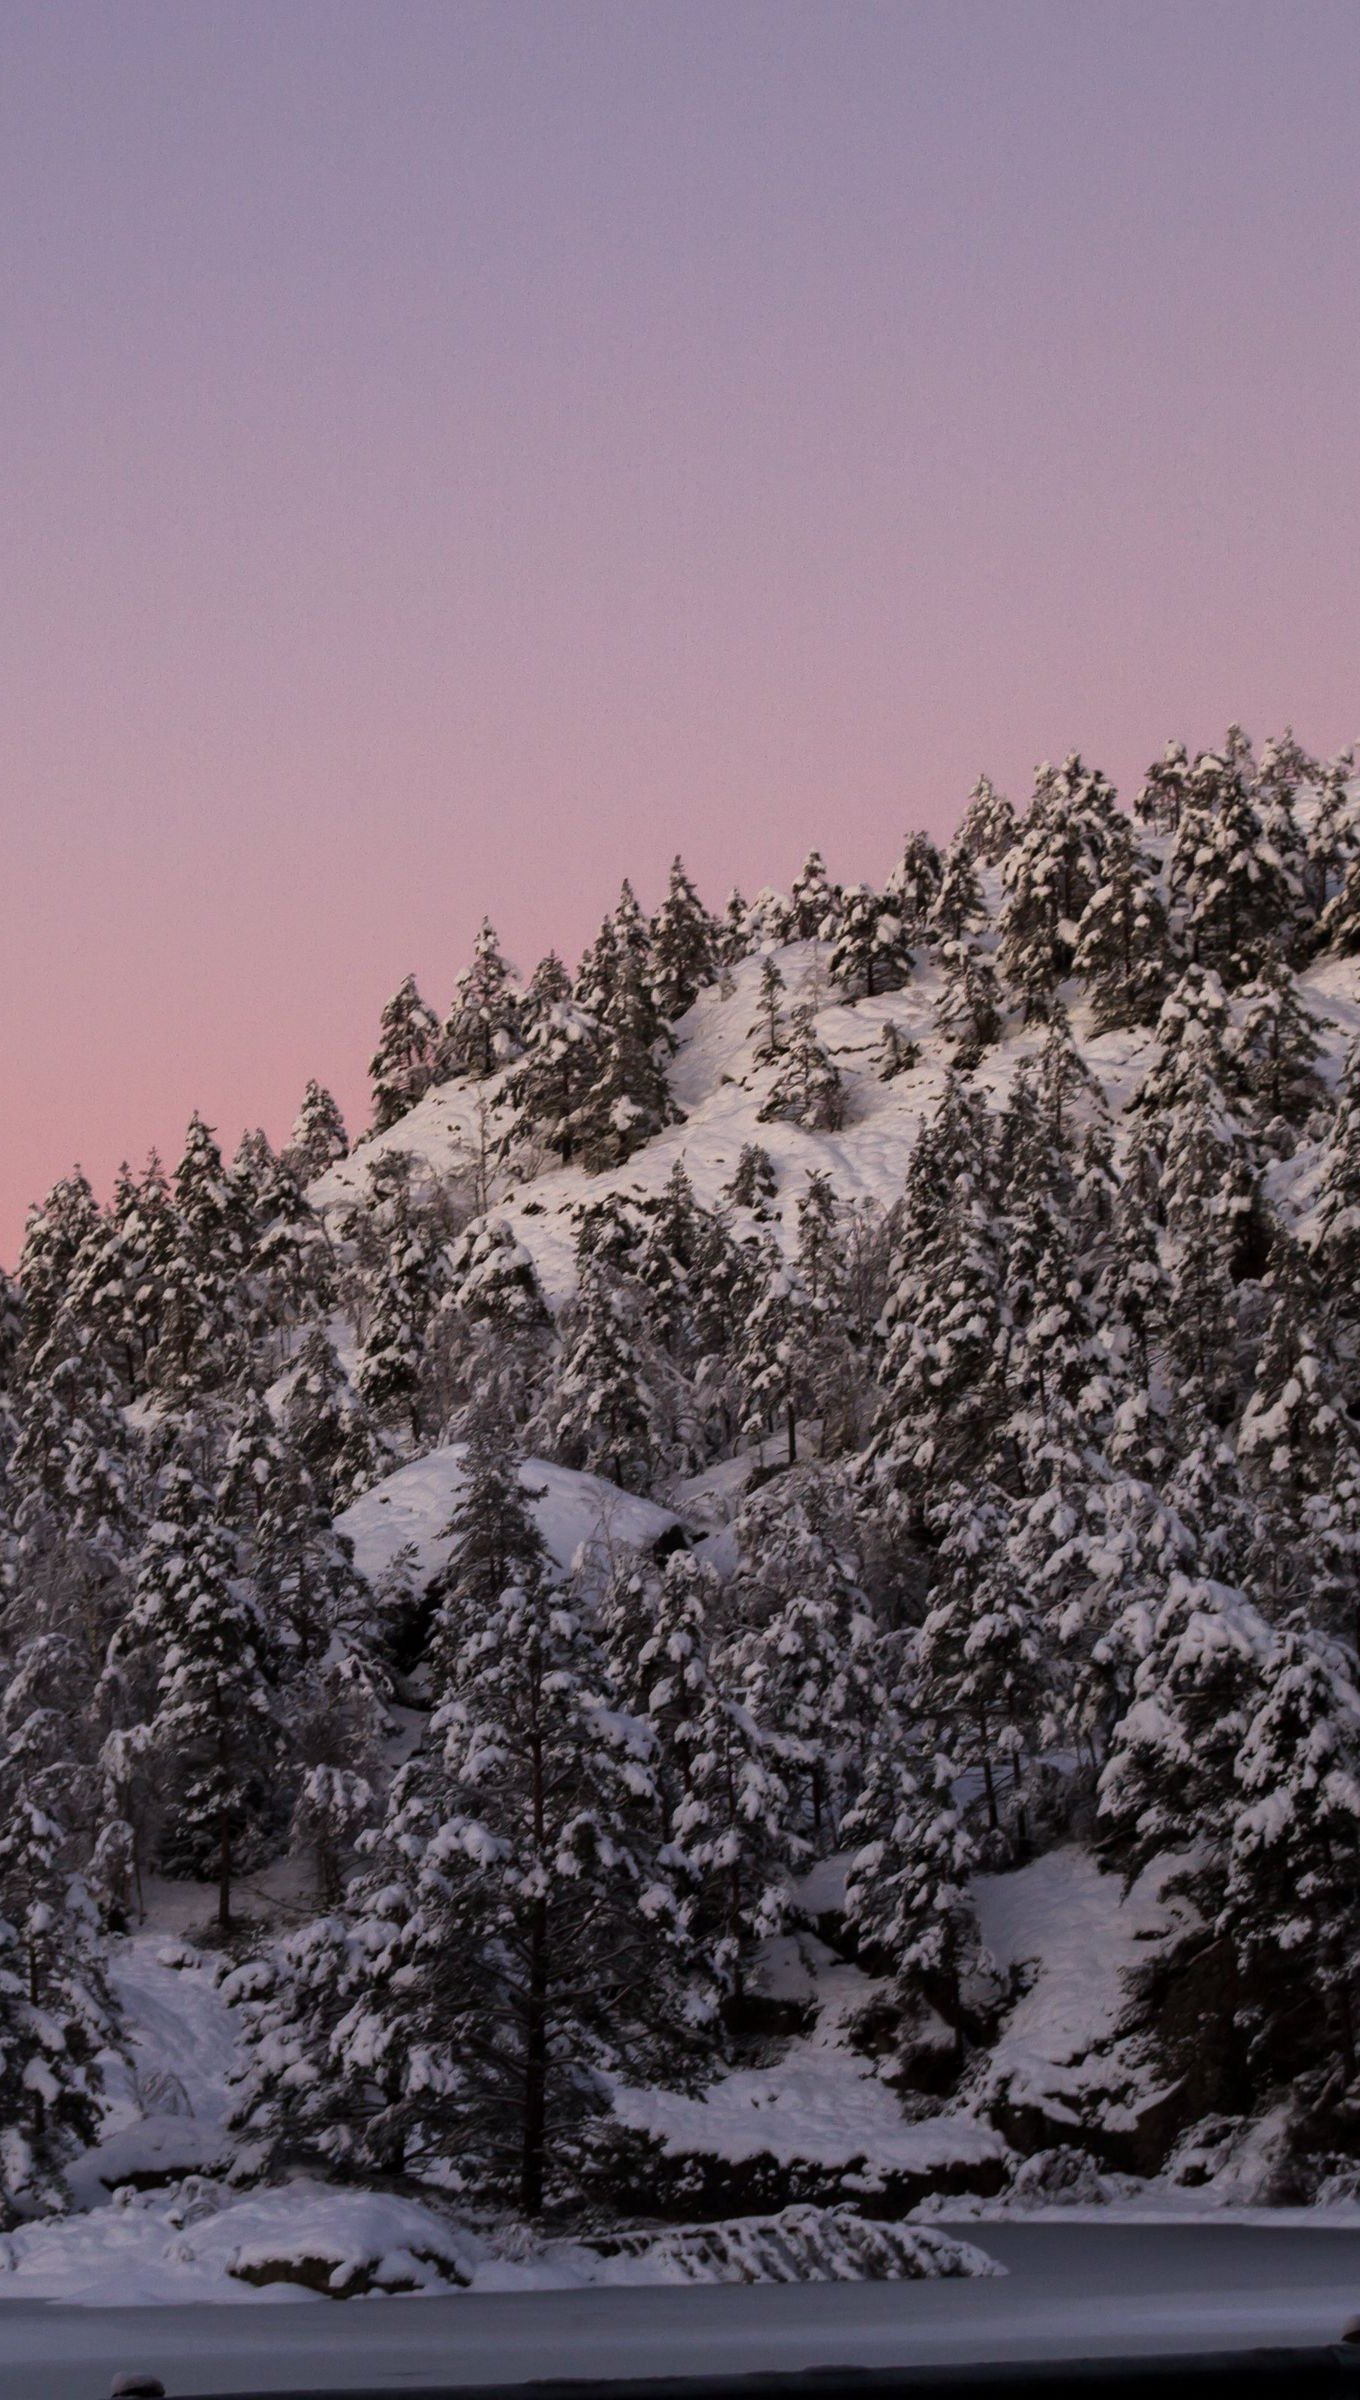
<point>911,1856</point>
<point>807,1090</point>
<point>1279,1043</point>
<point>602,1410</point>
<point>989,825</point>
<point>1291,1901</point>
<point>755,1182</point>
<point>1332,839</point>
<point>402,1067</point>
<point>986,1681</point>
<point>1122,951</point>
<point>912,888</point>
<point>214,1721</point>
<point>55,1240</point>
<point>1231,887</point>
<point>869,954</point>
<point>1169,1781</point>
<point>684,946</point>
<point>768,1033</point>
<point>319,1136</point>
<point>482,1033</point>
<point>56,2013</point>
<point>813,903</point>
<point>958,909</point>
<point>968,1011</point>
<point>1163,794</point>
<point>1050,875</point>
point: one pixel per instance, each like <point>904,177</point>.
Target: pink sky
<point>455,455</point>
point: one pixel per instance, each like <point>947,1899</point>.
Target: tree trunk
<point>988,1784</point>
<point>535,2066</point>
<point>792,1424</point>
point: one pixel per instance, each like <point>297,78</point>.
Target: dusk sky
<point>455,455</point>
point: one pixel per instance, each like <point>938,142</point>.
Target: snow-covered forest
<point>750,1596</point>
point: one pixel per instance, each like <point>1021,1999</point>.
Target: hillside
<point>749,1604</point>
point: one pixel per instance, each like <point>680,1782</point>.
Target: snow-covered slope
<point>410,1510</point>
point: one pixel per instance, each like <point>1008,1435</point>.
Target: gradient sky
<point>453,455</point>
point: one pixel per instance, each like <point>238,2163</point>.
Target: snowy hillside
<point>740,1621</point>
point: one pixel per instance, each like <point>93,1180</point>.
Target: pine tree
<point>968,1011</point>
<point>1163,794</point>
<point>56,2013</point>
<point>684,946</point>
<point>1050,875</point>
<point>626,1099</point>
<point>754,1182</point>
<point>869,954</point>
<point>411,1280</point>
<point>813,903</point>
<point>912,887</point>
<point>1291,1902</point>
<point>769,1034</point>
<point>1232,889</point>
<point>55,1240</point>
<point>319,1136</point>
<point>911,1856</point>
<point>1169,1781</point>
<point>602,1409</point>
<point>202,1312</point>
<point>482,1033</point>
<point>986,1680</point>
<point>328,1427</point>
<point>402,1067</point>
<point>807,1090</point>
<point>959,908</point>
<point>1122,952</point>
<point>1279,1043</point>
<point>989,826</point>
<point>213,1723</point>
<point>1332,839</point>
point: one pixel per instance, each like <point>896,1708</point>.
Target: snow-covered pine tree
<point>910,1859</point>
<point>1122,953</point>
<point>1168,1784</point>
<point>627,1099</point>
<point>807,1090</point>
<point>1162,797</point>
<point>319,1138</point>
<point>56,2011</point>
<point>1232,892</point>
<point>968,1011</point>
<point>1333,837</point>
<point>56,1237</point>
<point>986,1677</point>
<point>769,1034</point>
<point>959,908</point>
<point>1050,875</point>
<point>913,886</point>
<point>482,1031</point>
<point>684,946</point>
<point>214,1721</point>
<point>602,1411</point>
<point>402,1067</point>
<point>869,954</point>
<point>1279,1044</point>
<point>989,825</point>
<point>814,902</point>
<point>1291,1900</point>
<point>202,1311</point>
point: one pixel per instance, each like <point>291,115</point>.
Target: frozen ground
<point>1071,2290</point>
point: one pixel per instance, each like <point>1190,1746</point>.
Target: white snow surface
<point>411,1509</point>
<point>820,2101</point>
<point>1075,1936</point>
<point>719,1086</point>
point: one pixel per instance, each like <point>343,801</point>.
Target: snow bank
<point>1075,1936</point>
<point>413,1507</point>
<point>820,2102</point>
<point>799,2245</point>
